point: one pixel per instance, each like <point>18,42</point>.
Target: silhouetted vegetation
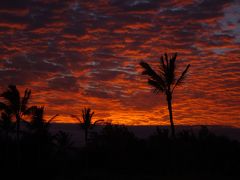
<point>86,122</point>
<point>113,152</point>
<point>14,106</point>
<point>164,80</point>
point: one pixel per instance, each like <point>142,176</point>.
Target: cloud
<point>55,46</point>
<point>64,83</point>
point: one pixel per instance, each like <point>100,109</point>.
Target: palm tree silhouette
<point>18,106</point>
<point>12,101</point>
<point>164,80</point>
<point>37,122</point>
<point>86,122</point>
<point>39,128</point>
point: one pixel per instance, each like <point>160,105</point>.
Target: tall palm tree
<point>164,80</point>
<point>86,122</point>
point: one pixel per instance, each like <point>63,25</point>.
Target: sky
<point>86,53</point>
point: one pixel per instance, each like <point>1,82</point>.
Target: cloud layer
<point>86,53</point>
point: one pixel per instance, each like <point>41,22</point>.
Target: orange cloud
<point>76,54</point>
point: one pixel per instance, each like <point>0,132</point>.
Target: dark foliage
<point>114,151</point>
<point>111,153</point>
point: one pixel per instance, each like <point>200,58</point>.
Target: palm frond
<point>25,99</point>
<point>86,114</point>
<point>157,87</point>
<point>163,66</point>
<point>151,73</point>
<point>171,69</point>
<point>52,118</point>
<point>91,115</point>
<point>3,106</point>
<point>30,110</point>
<point>182,77</point>
<point>12,97</point>
<point>97,122</point>
<point>37,115</point>
<point>172,62</point>
<point>166,59</point>
<point>76,117</point>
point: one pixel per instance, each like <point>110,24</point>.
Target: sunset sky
<point>86,53</point>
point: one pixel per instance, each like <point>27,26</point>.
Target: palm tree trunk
<point>38,154</point>
<point>6,147</point>
<point>86,160</point>
<point>86,136</point>
<point>169,100</point>
<point>18,140</point>
<point>18,126</point>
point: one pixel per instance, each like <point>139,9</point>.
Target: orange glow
<point>81,54</point>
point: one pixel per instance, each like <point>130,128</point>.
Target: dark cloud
<point>98,93</point>
<point>137,5</point>
<point>32,63</point>
<point>18,77</point>
<point>53,46</point>
<point>64,83</point>
<point>14,4</point>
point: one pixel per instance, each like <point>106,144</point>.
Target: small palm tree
<point>12,101</point>
<point>37,122</point>
<point>39,129</point>
<point>86,122</point>
<point>18,106</point>
<point>164,80</point>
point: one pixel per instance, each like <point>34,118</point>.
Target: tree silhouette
<point>37,123</point>
<point>164,80</point>
<point>86,122</point>
<point>12,101</point>
<point>39,129</point>
<point>18,106</point>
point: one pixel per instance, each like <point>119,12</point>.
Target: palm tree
<point>86,122</point>
<point>12,101</point>
<point>37,123</point>
<point>39,129</point>
<point>164,80</point>
<point>18,106</point>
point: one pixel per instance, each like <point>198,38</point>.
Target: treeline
<point>30,150</point>
<point>117,152</point>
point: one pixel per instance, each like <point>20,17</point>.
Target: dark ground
<point>120,152</point>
